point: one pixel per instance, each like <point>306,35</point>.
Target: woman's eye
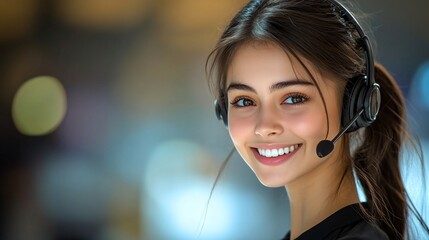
<point>296,99</point>
<point>243,102</point>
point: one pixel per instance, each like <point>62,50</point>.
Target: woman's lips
<point>274,161</point>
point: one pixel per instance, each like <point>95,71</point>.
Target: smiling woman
<point>290,75</point>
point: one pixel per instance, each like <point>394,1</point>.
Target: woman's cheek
<point>239,128</point>
<point>309,125</point>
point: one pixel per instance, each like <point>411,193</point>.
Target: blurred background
<point>107,127</point>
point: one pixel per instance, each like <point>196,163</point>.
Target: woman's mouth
<point>275,156</point>
<point>277,152</point>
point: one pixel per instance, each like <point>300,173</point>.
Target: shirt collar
<point>343,217</point>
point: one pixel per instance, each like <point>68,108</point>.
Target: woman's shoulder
<point>346,224</point>
<point>362,230</point>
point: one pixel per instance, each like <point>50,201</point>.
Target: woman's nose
<point>268,123</point>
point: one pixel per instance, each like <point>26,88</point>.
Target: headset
<point>362,97</point>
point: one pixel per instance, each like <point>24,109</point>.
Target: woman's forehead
<point>262,59</point>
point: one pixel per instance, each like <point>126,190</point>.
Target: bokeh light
<point>192,25</point>
<point>18,18</point>
<point>173,184</point>
<point>102,14</point>
<point>420,87</point>
<point>39,106</point>
<point>177,181</point>
<point>71,188</point>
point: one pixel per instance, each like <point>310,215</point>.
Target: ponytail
<point>377,161</point>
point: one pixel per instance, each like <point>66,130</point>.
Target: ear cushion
<point>221,111</point>
<point>372,102</point>
<point>353,101</point>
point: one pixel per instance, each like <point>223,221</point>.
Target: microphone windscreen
<point>324,148</point>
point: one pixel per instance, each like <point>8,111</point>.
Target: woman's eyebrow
<point>289,83</point>
<point>240,86</point>
<point>274,87</point>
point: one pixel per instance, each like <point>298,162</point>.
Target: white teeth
<point>277,152</point>
<point>274,153</point>
<point>286,150</point>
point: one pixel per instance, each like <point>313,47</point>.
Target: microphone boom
<point>325,147</point>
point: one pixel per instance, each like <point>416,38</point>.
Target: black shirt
<point>346,223</point>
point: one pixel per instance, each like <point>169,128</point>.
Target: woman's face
<point>276,116</point>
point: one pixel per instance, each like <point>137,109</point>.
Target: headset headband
<point>364,40</point>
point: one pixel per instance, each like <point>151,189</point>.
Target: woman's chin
<point>272,182</point>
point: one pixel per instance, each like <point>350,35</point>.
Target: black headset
<point>362,98</point>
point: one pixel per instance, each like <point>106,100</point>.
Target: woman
<point>294,77</point>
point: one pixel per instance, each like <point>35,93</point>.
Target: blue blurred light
<point>177,181</point>
<point>420,87</point>
<point>130,147</point>
<point>188,208</point>
<point>72,188</point>
<point>416,183</point>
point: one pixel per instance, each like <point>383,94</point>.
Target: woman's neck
<point>318,195</point>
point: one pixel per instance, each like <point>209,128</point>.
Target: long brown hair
<point>313,30</point>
